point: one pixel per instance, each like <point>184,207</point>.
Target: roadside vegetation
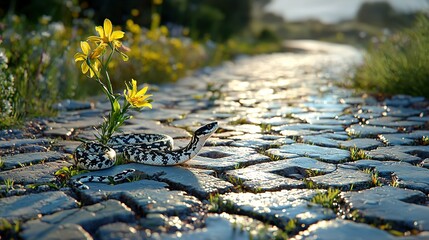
<point>399,65</point>
<point>38,40</point>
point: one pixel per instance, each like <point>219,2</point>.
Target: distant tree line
<point>382,14</point>
<point>214,19</point>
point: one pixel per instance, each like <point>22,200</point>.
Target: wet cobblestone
<point>288,136</point>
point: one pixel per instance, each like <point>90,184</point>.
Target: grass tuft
<point>218,205</point>
<point>357,154</point>
<point>313,172</point>
<point>64,174</point>
<point>266,127</point>
<point>9,229</point>
<point>9,184</point>
<point>238,183</point>
<point>328,199</point>
<point>375,179</point>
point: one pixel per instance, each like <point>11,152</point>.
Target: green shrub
<point>40,62</point>
<point>399,65</point>
<point>7,92</point>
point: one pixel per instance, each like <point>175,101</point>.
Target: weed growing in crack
<point>273,157</point>
<point>263,151</point>
<point>328,199</point>
<point>424,141</point>
<point>313,172</point>
<point>357,154</point>
<point>266,128</point>
<point>238,183</point>
<point>218,205</point>
<point>291,225</point>
<point>375,180</point>
<point>257,190</point>
<point>9,229</point>
<point>9,184</point>
<point>353,134</point>
<point>237,166</point>
<point>65,173</point>
<point>309,183</point>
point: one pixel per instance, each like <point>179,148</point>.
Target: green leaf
<point>116,106</point>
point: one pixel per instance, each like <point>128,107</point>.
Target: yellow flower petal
<point>142,91</point>
<point>97,65</point>
<point>116,35</point>
<point>146,105</point>
<point>100,31</point>
<point>134,89</point>
<point>85,47</point>
<point>107,28</point>
<point>137,99</point>
<point>98,51</point>
<point>95,38</point>
<point>84,67</point>
<point>79,57</point>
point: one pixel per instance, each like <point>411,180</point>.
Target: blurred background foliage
<point>167,39</point>
<point>164,39</point>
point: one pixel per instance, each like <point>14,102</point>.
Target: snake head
<point>207,129</point>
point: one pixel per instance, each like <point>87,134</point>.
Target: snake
<point>149,149</point>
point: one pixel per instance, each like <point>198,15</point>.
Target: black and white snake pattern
<point>150,149</point>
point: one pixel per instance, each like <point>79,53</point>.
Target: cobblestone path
<point>289,136</point>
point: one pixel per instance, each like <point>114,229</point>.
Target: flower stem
<point>103,86</point>
<point>105,66</point>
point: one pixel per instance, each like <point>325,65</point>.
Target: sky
<point>331,11</point>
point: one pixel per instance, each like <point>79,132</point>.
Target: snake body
<point>150,149</point>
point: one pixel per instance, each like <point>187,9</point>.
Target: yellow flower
<point>107,35</point>
<point>91,56</point>
<point>134,28</point>
<point>137,99</point>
